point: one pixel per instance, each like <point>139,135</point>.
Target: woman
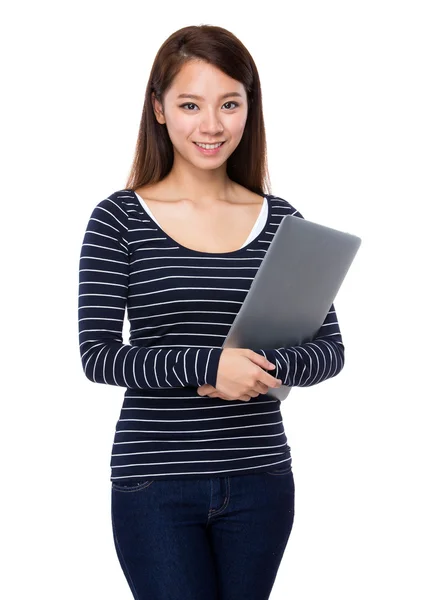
<point>202,499</point>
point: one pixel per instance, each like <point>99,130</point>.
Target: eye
<point>188,104</point>
<point>192,104</point>
<point>231,102</point>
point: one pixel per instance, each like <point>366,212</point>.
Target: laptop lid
<point>294,288</point>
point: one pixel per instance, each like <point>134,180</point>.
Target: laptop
<point>294,288</point>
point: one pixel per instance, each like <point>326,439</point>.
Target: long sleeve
<point>312,362</point>
<point>102,298</point>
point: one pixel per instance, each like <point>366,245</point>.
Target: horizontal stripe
<point>181,304</point>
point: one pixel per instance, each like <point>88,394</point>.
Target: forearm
<point>128,366</point>
<point>311,362</point>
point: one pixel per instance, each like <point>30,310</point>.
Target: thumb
<point>261,361</point>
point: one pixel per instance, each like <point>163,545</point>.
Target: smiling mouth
<point>209,144</point>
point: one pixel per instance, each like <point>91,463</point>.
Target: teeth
<point>209,146</point>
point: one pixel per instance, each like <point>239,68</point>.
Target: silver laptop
<point>294,288</point>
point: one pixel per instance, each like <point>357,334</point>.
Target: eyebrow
<point>228,95</point>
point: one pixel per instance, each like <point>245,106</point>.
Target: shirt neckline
<point>170,240</point>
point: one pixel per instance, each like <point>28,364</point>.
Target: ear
<point>158,109</point>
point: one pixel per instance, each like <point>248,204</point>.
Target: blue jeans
<point>218,538</point>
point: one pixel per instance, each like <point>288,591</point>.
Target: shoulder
<point>114,209</point>
<point>122,200</point>
<point>284,205</point>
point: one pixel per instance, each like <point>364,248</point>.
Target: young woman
<point>202,485</point>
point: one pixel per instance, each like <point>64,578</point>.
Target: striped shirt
<point>180,305</point>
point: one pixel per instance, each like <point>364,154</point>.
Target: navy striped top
<point>180,305</point>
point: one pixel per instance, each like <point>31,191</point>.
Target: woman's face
<point>209,118</point>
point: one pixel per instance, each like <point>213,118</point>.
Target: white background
<point>344,99</point>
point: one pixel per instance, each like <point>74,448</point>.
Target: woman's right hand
<point>240,374</point>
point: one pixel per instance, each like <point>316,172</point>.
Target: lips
<point>209,143</point>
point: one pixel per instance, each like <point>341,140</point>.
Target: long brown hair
<point>153,157</point>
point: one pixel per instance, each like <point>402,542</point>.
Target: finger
<point>205,389</point>
<point>259,388</point>
<point>217,394</point>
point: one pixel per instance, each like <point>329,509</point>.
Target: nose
<point>210,123</point>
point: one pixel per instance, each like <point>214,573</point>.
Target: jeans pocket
<point>130,486</point>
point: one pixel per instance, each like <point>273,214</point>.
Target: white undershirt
<point>257,227</point>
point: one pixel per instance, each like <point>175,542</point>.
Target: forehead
<point>199,77</point>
